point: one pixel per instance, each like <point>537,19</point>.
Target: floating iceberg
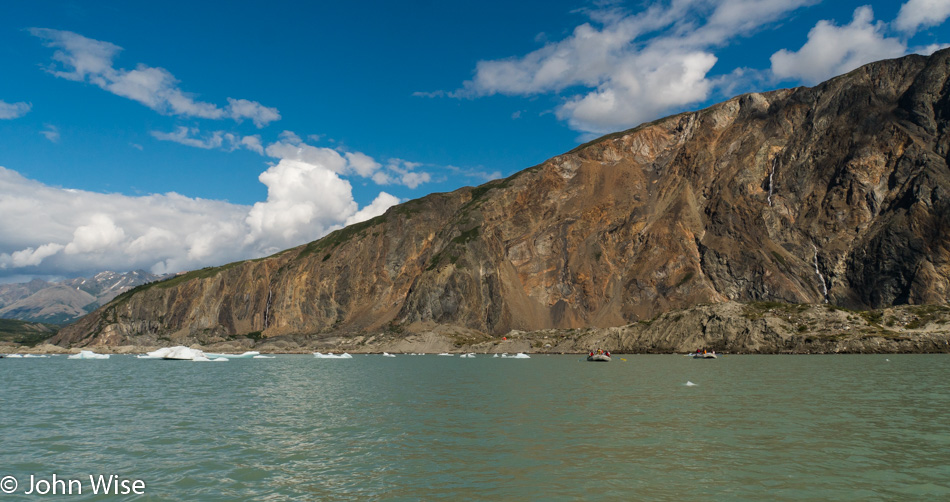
<point>469,355</point>
<point>387,354</point>
<point>446,354</point>
<point>14,356</point>
<point>88,354</point>
<point>689,384</point>
<point>264,357</point>
<point>519,355</point>
<point>344,355</point>
<point>35,356</point>
<point>180,353</point>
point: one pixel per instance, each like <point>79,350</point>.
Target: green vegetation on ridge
<point>25,332</point>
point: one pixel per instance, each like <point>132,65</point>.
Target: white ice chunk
<point>246,355</point>
<point>179,353</point>
<point>344,355</point>
<point>88,354</point>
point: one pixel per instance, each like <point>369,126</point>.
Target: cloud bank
<point>632,67</point>
<point>621,69</point>
<point>51,231</point>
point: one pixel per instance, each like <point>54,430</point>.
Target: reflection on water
<point>550,427</point>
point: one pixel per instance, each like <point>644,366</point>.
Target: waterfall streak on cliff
<point>771,173</point>
<point>820,276</point>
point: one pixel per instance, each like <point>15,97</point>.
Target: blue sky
<point>178,135</point>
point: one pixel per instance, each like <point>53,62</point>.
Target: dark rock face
<point>834,193</point>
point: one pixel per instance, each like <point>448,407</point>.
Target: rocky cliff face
<point>835,193</point>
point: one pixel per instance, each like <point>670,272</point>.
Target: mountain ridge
<point>831,193</point>
<point>65,301</point>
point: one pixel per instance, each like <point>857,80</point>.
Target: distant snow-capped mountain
<point>65,301</point>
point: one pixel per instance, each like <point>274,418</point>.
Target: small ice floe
<point>519,355</point>
<point>689,384</point>
<point>445,354</point>
<point>387,354</point>
<point>88,354</point>
<point>246,355</point>
<point>14,356</point>
<point>468,355</point>
<point>331,355</point>
<point>35,356</point>
<point>496,355</point>
<point>264,357</point>
<point>206,359</point>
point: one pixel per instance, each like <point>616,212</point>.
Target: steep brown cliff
<point>834,193</point>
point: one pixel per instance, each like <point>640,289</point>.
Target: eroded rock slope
<point>835,193</point>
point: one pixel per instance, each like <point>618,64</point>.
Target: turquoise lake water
<point>844,427</point>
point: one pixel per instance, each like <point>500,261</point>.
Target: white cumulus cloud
<point>192,136</point>
<point>243,109</point>
<point>832,50</point>
<point>54,231</point>
<point>635,67</point>
<point>100,233</point>
<point>304,200</point>
<point>253,143</point>
<point>396,171</point>
<point>87,60</point>
<point>401,172</point>
<point>51,133</point>
<point>30,257</point>
<point>13,110</point>
<point>380,204</point>
<point>188,136</point>
<point>917,14</point>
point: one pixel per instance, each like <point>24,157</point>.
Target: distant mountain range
<point>65,301</point>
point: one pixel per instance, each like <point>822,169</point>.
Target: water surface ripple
<point>438,428</point>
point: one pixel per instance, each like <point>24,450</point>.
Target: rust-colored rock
<point>835,193</point>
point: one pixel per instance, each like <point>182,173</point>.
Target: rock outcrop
<point>836,193</point>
